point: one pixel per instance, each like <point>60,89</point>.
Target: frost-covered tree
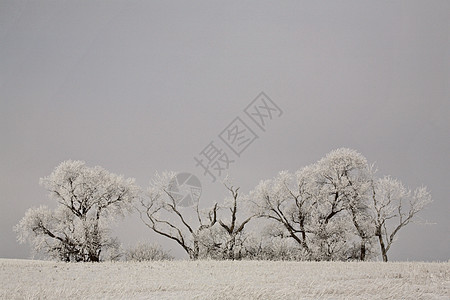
<point>88,200</point>
<point>321,207</point>
<point>341,187</point>
<point>161,212</point>
<point>394,207</point>
<point>285,200</point>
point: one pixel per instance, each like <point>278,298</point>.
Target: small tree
<point>394,207</point>
<point>89,198</point>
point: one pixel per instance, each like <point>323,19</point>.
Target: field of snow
<point>27,279</point>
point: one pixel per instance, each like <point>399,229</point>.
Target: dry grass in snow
<point>25,279</point>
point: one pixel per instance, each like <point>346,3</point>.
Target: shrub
<point>147,252</point>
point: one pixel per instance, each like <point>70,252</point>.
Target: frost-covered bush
<point>218,244</point>
<point>147,252</point>
<point>271,248</point>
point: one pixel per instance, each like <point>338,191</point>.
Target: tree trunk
<point>362,256</point>
<point>383,248</point>
<point>94,258</point>
<point>194,253</point>
<point>302,228</point>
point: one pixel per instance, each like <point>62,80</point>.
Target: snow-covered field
<point>26,279</point>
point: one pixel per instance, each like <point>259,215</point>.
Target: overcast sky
<point>138,87</point>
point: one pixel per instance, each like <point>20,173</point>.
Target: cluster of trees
<point>334,209</point>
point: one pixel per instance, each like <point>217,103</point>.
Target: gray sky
<point>139,87</point>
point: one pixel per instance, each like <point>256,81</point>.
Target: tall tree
<point>342,180</point>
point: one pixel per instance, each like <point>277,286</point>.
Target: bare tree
<point>394,207</point>
<point>88,201</point>
<point>233,242</point>
<point>161,212</point>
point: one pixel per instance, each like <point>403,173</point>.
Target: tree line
<point>336,209</point>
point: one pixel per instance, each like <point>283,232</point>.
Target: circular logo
<point>186,189</point>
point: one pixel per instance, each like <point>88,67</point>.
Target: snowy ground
<point>22,279</point>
